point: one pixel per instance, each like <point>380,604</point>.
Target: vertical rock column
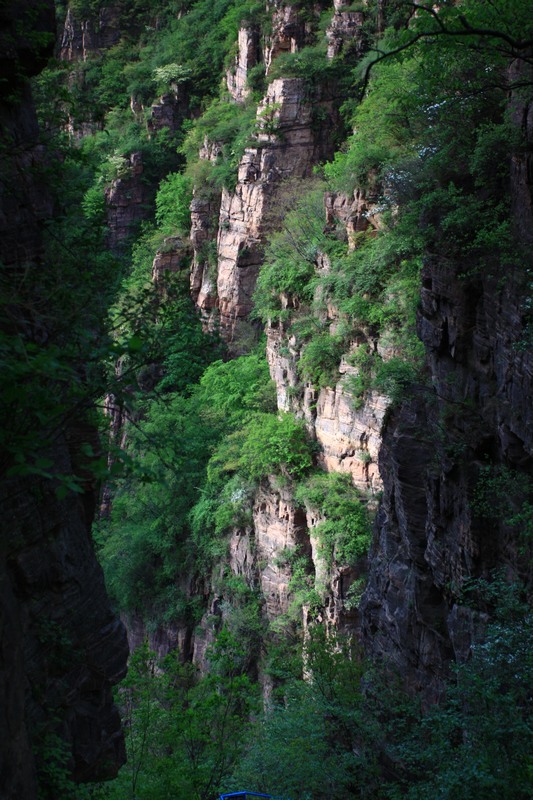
<point>288,147</point>
<point>279,527</point>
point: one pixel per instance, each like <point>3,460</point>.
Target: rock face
<point>345,30</point>
<point>350,437</point>
<point>172,257</point>
<point>427,455</point>
<point>248,56</point>
<point>204,228</point>
<point>289,145</point>
<point>434,451</point>
<point>169,112</point>
<point>126,202</point>
<point>290,32</point>
<point>349,433</point>
<point>356,213</point>
<point>279,527</point>
<point>86,37</point>
<point>61,648</point>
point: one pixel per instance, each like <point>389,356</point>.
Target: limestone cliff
<point>432,448</point>
<point>426,452</point>
<point>438,449</point>
<point>82,38</point>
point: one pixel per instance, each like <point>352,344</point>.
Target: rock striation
<point>83,38</point>
<point>345,30</point>
<point>288,146</point>
<point>126,198</point>
<point>435,448</point>
<point>248,56</point>
<point>349,434</point>
<point>279,527</point>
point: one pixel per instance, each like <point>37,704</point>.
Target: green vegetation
<point>431,143</point>
<point>184,735</point>
<point>172,203</point>
<point>502,495</point>
<point>228,127</point>
<point>169,516</point>
<point>371,285</point>
<point>326,736</point>
<point>345,529</point>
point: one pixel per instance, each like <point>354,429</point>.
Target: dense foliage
<point>345,730</point>
<point>431,145</point>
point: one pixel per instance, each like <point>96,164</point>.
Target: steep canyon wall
<point>431,448</point>
<point>416,462</point>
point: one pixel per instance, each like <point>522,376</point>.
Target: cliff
<point>471,416</point>
<point>392,286</point>
<point>426,451</point>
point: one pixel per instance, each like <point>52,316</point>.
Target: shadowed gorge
<point>267,428</point>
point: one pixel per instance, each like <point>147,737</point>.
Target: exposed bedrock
<point>428,540</point>
<point>345,31</point>
<point>204,230</point>
<point>279,526</point>
<point>248,56</point>
<point>289,145</point>
<point>349,433</point>
<point>126,198</point>
<point>290,32</point>
<point>82,38</point>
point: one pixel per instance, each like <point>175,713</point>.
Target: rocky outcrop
<point>334,584</point>
<point>348,431</point>
<point>82,38</point>
<point>248,56</point>
<point>62,646</point>
<point>172,257</point>
<point>161,640</point>
<point>290,32</point>
<point>288,146</point>
<point>279,528</point>
<point>350,437</point>
<point>477,413</point>
<point>169,112</point>
<point>205,212</point>
<point>345,32</point>
<point>354,214</point>
<point>126,199</point>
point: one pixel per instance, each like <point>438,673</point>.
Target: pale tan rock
<point>172,257</point>
<point>288,147</point>
<point>288,33</point>
<point>345,30</point>
<point>279,526</point>
<point>246,58</point>
<point>204,226</point>
<point>350,437</point>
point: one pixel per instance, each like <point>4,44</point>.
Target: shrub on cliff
<point>276,444</point>
<point>345,528</point>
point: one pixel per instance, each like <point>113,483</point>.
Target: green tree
<point>185,733</point>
